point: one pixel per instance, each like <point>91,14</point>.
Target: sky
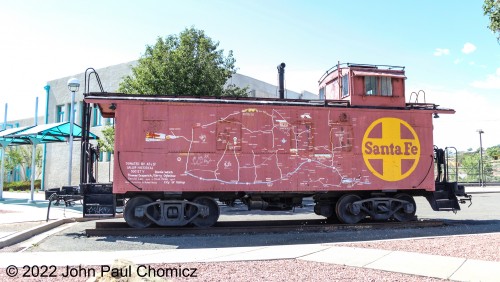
<point>445,46</point>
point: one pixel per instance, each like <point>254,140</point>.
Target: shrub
<point>21,186</point>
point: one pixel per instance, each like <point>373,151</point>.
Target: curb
<point>21,236</point>
<point>482,192</point>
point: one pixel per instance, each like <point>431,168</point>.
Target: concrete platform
<point>16,207</point>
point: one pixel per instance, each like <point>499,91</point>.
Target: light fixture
<point>436,115</point>
<point>73,86</point>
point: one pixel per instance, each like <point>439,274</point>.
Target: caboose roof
<point>107,102</point>
<point>366,70</point>
<point>378,73</point>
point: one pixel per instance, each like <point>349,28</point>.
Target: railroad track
<point>104,229</point>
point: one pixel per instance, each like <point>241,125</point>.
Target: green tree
<point>189,64</point>
<point>493,152</point>
<point>491,9</point>
<point>21,156</point>
<point>107,142</point>
<point>469,165</point>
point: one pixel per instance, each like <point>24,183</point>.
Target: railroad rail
<point>107,228</point>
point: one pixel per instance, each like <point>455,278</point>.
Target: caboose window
<point>378,86</point>
<point>386,86</point>
<point>371,85</point>
<point>345,86</point>
<point>322,93</point>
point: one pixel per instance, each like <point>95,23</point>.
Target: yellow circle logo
<point>391,149</point>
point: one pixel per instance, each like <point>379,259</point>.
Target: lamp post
<point>73,85</point>
<point>481,166</point>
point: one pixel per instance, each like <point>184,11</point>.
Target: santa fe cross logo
<point>391,149</point>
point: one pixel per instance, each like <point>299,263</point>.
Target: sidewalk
<point>15,208</point>
<point>484,189</point>
<point>22,219</point>
<point>459,269</point>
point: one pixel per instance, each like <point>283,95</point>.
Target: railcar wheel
<point>346,211</point>
<point>405,213</point>
<point>213,212</point>
<point>129,212</point>
<point>333,218</point>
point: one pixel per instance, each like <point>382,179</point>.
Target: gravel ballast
<point>476,246</point>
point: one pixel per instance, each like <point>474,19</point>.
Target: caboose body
<point>359,151</point>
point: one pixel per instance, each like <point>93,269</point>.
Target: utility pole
<point>481,165</point>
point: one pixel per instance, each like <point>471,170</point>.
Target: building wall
<point>21,122</point>
<point>262,89</point>
<point>57,155</point>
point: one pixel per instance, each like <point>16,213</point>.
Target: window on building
<point>109,121</point>
<point>60,113</point>
<point>68,110</point>
<point>15,174</point>
<point>81,113</point>
<point>8,125</point>
<point>97,120</point>
<point>104,157</point>
<point>345,86</point>
<point>28,173</point>
<point>75,110</point>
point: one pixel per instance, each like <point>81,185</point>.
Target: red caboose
<point>359,151</point>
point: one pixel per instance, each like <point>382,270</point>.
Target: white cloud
<point>468,48</point>
<point>441,52</point>
<point>492,81</point>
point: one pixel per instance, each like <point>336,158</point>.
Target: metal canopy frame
<point>34,135</point>
<point>4,143</point>
<point>50,133</point>
<point>5,136</point>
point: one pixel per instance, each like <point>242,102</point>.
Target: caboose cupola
<point>364,85</point>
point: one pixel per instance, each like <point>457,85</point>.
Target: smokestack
<point>281,80</point>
